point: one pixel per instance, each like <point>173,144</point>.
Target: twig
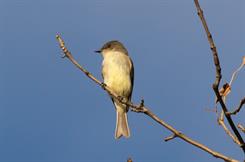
<point>141,108</point>
<point>220,119</point>
<point>242,102</point>
<point>218,75</point>
<point>170,138</point>
<point>221,122</point>
<point>235,73</point>
<point>242,128</point>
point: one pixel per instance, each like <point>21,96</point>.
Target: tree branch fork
<point>218,78</point>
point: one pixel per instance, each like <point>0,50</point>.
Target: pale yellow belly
<point>116,72</point>
<point>119,81</point>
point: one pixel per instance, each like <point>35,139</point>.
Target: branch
<point>140,108</point>
<point>242,102</point>
<point>237,70</point>
<point>241,127</point>
<point>173,136</point>
<point>218,76</point>
<point>221,122</point>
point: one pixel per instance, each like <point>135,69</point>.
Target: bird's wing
<point>131,77</point>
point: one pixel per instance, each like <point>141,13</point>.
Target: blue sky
<point>51,112</point>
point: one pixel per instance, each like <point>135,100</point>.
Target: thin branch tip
<point>142,103</point>
<point>170,137</point>
<point>241,127</point>
<point>237,110</point>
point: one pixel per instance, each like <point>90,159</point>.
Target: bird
<point>118,75</point>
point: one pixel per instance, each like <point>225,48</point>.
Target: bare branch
<point>140,108</point>
<point>242,128</point>
<point>221,122</point>
<point>236,71</point>
<point>212,45</point>
<point>242,102</point>
<point>170,138</point>
<point>218,75</point>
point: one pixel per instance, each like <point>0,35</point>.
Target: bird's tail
<point>122,128</point>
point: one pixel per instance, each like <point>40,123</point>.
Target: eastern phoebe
<point>118,75</point>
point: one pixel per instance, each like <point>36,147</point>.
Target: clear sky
<point>51,112</point>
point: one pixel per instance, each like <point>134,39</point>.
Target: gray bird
<point>118,75</point>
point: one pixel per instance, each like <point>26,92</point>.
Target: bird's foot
<point>120,98</point>
<point>103,85</point>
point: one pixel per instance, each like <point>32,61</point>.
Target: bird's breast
<point>116,73</point>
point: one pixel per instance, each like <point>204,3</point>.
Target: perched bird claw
<point>120,98</point>
<point>103,85</point>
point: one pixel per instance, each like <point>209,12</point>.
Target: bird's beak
<point>97,51</point>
